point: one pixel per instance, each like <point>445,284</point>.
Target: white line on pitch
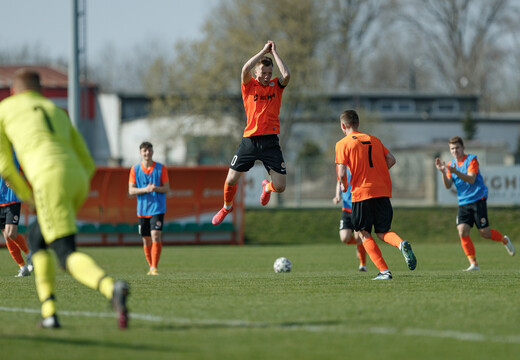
<point>446,334</point>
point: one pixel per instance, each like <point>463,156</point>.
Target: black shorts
<point>474,213</point>
<point>9,215</point>
<point>265,148</point>
<point>346,221</point>
<point>146,225</point>
<point>375,212</point>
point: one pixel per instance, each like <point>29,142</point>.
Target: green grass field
<point>227,303</point>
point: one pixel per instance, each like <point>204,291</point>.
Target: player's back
<point>40,133</point>
<point>365,155</point>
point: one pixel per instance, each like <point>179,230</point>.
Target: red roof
<point>50,77</point>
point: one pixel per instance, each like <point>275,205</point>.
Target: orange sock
<point>496,235</point>
<point>375,254</point>
<point>392,238</point>
<point>467,246</point>
<point>22,244</point>
<point>229,193</point>
<point>361,254</point>
<point>148,254</point>
<point>15,252</point>
<point>352,241</point>
<point>156,253</point>
<point>270,187</point>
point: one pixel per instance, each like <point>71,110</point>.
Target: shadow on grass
<point>211,325</point>
<point>84,342</point>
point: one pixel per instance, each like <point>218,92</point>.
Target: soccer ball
<point>282,265</point>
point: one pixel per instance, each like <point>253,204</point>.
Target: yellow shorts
<point>58,197</point>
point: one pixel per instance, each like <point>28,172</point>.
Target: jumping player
<point>464,172</point>
<point>149,182</point>
<point>369,161</point>
<point>58,166</point>
<point>262,97</point>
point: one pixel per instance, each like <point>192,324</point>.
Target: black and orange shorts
<point>265,148</point>
<point>376,212</point>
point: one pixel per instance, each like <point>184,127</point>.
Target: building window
<point>405,106</point>
<point>385,106</point>
<point>395,106</point>
<point>448,106</point>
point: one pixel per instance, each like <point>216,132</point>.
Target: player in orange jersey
<point>369,160</point>
<point>262,97</point>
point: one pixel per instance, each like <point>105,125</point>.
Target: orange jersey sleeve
<point>365,156</point>
<point>473,166</point>
<point>131,178</point>
<point>262,105</point>
<point>448,172</point>
<point>164,175</point>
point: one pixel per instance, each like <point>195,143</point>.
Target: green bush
<point>320,226</point>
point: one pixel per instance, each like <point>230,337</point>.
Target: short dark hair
<point>27,79</point>
<point>456,140</point>
<point>145,145</point>
<point>266,61</point>
<point>350,118</point>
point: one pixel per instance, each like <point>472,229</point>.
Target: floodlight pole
<point>73,74</point>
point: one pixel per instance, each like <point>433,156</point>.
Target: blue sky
<point>119,23</point>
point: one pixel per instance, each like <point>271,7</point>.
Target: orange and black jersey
<point>262,105</point>
<point>365,156</point>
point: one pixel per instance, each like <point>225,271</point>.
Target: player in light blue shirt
<point>464,172</point>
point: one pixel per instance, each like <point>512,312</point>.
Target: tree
<point>462,39</point>
<point>353,31</point>
<point>29,54</point>
<point>204,77</point>
<point>129,71</point>
<point>469,126</point>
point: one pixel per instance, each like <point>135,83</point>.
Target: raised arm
<point>251,63</point>
<point>441,166</point>
<point>284,70</point>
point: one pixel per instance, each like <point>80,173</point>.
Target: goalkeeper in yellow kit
<point>58,167</point>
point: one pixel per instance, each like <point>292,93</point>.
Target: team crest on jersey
<point>271,83</point>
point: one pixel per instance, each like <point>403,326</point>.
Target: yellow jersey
<point>43,139</point>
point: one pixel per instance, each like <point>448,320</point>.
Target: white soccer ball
<point>282,265</point>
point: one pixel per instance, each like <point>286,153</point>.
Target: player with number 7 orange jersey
<point>367,156</point>
<point>371,186</point>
